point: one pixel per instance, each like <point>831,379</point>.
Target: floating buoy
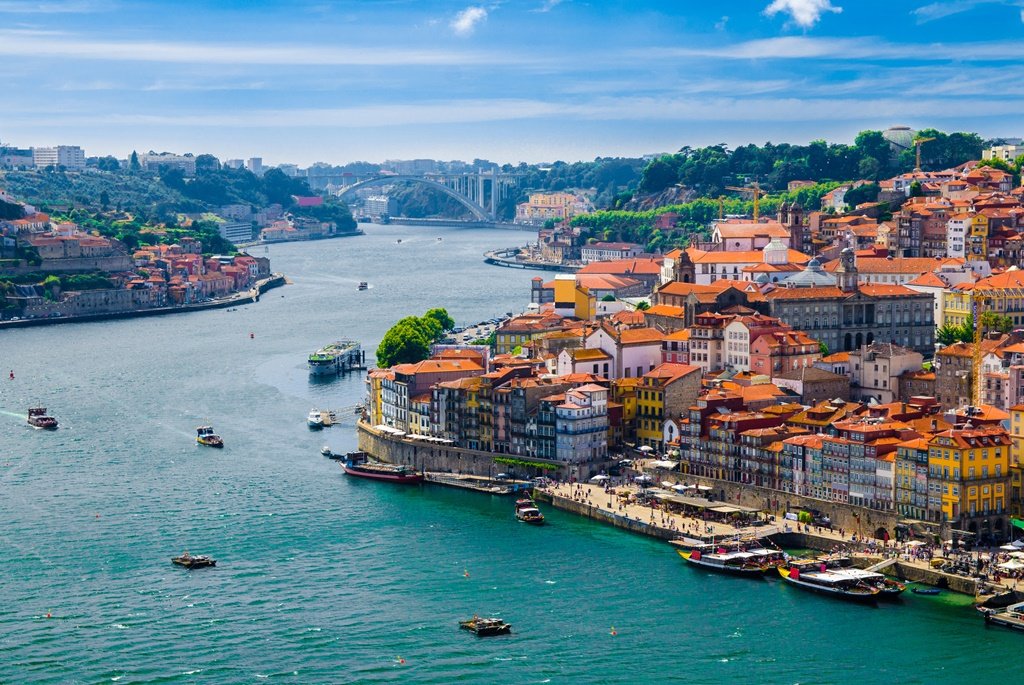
<point>400,660</point>
<point>12,374</point>
<point>465,573</point>
<point>49,615</point>
<point>251,335</point>
<point>613,631</point>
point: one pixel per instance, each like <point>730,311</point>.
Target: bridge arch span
<point>477,211</point>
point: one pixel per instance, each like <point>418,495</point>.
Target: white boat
<point>848,583</point>
<point>752,562</point>
<point>315,418</point>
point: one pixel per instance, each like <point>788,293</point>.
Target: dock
<point>482,484</point>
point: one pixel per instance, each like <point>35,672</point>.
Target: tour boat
<point>363,285</point>
<point>485,627</point>
<point>527,512</point>
<point>851,584</point>
<point>194,560</point>
<point>206,436</point>
<point>37,418</point>
<point>357,464</point>
<point>737,561</point>
<point>315,419</point>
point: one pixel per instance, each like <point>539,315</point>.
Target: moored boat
<point>38,418</point>
<point>334,358</point>
<point>363,285</point>
<point>926,591</point>
<point>205,436</point>
<point>1011,616</point>
<point>850,584</point>
<point>359,464</point>
<point>527,512</point>
<point>194,560</point>
<point>485,627</point>
<point>737,561</point>
<point>315,419</point>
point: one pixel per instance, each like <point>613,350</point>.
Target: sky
<point>302,81</point>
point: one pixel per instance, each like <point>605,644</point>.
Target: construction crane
<point>754,189</point>
<point>978,304</point>
<point>721,207</point>
<point>918,142</point>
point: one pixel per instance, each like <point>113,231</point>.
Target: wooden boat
<point>191,561</point>
<point>38,418</point>
<point>926,591</point>
<point>485,627</point>
<point>844,583</point>
<point>527,512</point>
<point>359,464</point>
<point>737,562</point>
<point>205,436</point>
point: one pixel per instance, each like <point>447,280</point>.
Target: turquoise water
<point>322,579</point>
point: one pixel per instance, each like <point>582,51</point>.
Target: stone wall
<point>424,456</point>
<point>618,520</point>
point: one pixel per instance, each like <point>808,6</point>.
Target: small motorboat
<point>527,512</point>
<point>191,561</point>
<point>38,418</point>
<point>926,591</point>
<point>363,285</point>
<point>205,436</point>
<point>315,420</point>
<point>326,451</point>
<point>485,627</point>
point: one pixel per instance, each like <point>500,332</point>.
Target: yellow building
<point>374,392</point>
<point>1001,293</point>
<point>523,329</point>
<point>1016,460</point>
<point>969,477</point>
<point>977,241</point>
<point>573,299</point>
<point>624,392</point>
<point>662,396</point>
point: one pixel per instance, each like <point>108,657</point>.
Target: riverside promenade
<point>619,507</point>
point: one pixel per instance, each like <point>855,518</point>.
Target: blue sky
<point>515,80</point>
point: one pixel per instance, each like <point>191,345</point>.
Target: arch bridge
<point>479,193</point>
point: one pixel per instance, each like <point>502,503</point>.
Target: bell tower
<point>846,273</point>
<point>683,270</point>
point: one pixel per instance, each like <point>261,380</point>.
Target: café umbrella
<point>600,478</point>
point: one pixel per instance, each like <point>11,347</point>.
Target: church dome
<point>812,276</point>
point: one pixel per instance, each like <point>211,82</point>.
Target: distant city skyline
<point>535,81</point>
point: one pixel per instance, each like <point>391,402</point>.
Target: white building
<point>1007,153</point>
<point>581,425</point>
<point>606,252</point>
<point>632,352</point>
<point>67,156</point>
<point>152,161</point>
<point>957,229</point>
<point>255,165</point>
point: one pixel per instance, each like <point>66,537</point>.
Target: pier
<point>508,257</point>
<point>489,486</point>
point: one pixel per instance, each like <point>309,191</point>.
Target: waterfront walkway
<point>619,504</point>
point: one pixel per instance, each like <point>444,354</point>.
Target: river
<point>322,579</point>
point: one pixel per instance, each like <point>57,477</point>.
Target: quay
<point>251,295</point>
<point>508,257</point>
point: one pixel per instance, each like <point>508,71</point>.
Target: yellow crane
<point>754,189</point>
<point>918,142</point>
<point>721,207</point>
<point>978,304</point>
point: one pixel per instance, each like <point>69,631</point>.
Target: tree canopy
<point>409,340</point>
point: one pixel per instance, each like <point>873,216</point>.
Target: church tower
<point>846,273</point>
<point>683,270</point>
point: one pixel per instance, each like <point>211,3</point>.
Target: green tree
<point>402,344</point>
<point>441,316</point>
<point>108,163</point>
<point>133,162</point>
<point>994,321</point>
<point>105,200</point>
<point>643,305</point>
<point>823,349</point>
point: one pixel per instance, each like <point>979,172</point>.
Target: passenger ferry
<point>847,583</point>
<point>359,464</point>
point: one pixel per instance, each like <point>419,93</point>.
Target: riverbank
<point>257,243</point>
<point>508,257</point>
<point>250,295</point>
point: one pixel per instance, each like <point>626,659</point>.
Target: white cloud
<point>466,21</point>
<point>548,5</point>
<point>804,13</point>
<point>54,6</point>
<point>39,45</point>
<point>720,25</point>
<point>948,8</point>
